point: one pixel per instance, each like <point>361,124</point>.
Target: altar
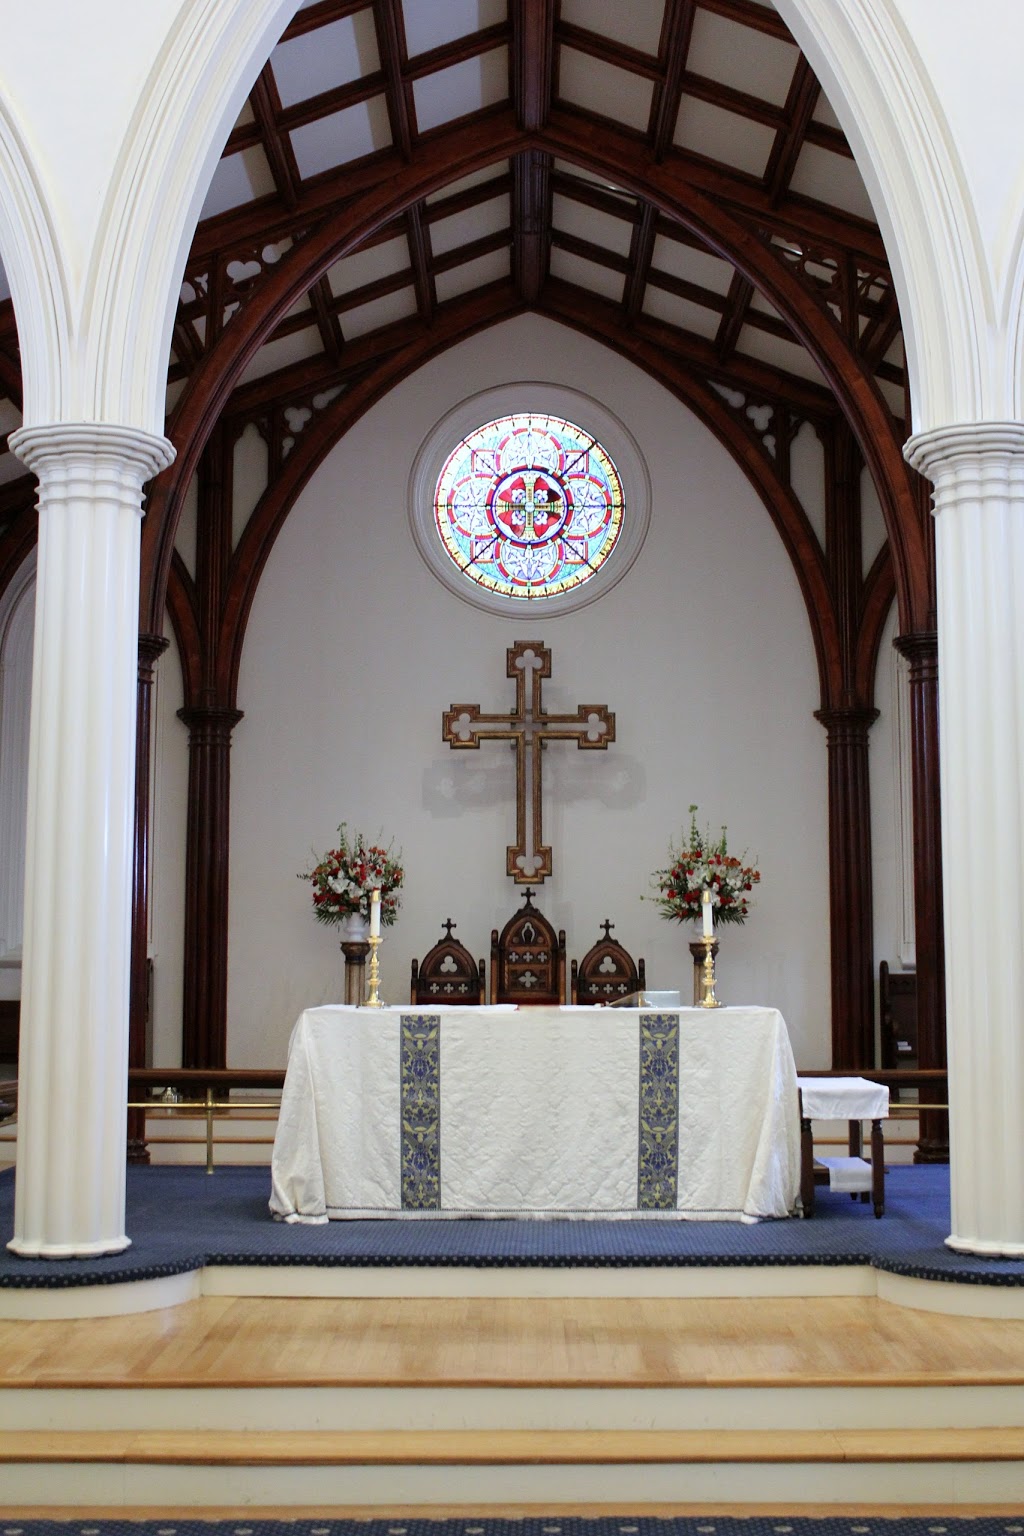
<point>538,1112</point>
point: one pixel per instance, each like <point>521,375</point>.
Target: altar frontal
<point>538,1112</point>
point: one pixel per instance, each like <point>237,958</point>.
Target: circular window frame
<point>518,399</point>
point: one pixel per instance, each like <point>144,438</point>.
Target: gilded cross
<point>528,728</point>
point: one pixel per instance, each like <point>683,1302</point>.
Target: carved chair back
<point>448,974</point>
<point>528,959</point>
<point>607,973</point>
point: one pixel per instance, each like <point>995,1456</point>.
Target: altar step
<point>937,1467</point>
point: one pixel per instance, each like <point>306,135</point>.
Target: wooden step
<point>509,1447</point>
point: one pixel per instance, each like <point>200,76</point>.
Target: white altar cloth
<point>594,1112</point>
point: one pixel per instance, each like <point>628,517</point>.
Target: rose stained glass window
<point>529,506</point>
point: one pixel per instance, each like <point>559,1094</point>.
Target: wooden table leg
<point>806,1168</point>
<point>877,1167</point>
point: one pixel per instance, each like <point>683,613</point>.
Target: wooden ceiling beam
<point>390,25</point>
<point>532,60</point>
<point>801,101</point>
<point>737,308</point>
<point>419,249</point>
<point>748,13</point>
<point>641,255</point>
<point>321,302</point>
<point>266,107</point>
<point>673,52</point>
<point>471,46</point>
<point>531,223</point>
<point>312,17</point>
<point>597,46</point>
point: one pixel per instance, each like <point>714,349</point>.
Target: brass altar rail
<point>208,1080</point>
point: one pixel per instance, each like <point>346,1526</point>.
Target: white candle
<point>375,913</point>
<point>708,912</point>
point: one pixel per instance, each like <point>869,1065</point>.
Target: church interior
<point>371,228</point>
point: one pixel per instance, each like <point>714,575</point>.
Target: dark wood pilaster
<point>151,648</point>
<point>205,986</point>
<point>921,650</point>
<point>849,839</point>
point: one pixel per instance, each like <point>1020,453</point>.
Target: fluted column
<point>922,651</point>
<point>151,648</point>
<point>849,877</point>
<point>978,474</point>
<point>205,985</point>
<point>69,1197</point>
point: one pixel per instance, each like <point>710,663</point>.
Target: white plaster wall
<point>354,650</point>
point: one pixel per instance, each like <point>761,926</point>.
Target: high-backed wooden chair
<point>528,959</point>
<point>448,974</point>
<point>607,973</point>
<point>897,1008</point>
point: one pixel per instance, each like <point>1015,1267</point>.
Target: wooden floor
<point>411,1342</point>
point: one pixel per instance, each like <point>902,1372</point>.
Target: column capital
<point>979,459</point>
<point>847,722</point>
<point>210,724</point>
<point>45,448</point>
<point>920,647</point>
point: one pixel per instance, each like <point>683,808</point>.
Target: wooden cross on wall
<point>528,728</point>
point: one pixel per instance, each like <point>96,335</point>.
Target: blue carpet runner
<point>182,1218</point>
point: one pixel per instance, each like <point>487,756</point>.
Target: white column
<point>978,474</point>
<point>70,1180</point>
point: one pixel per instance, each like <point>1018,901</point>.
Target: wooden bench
<point>854,1099</point>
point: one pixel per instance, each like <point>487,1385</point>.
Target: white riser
<point>498,1408</point>
<point>296,1487</point>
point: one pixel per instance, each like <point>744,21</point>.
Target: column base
<point>988,1249</point>
<point>27,1248</point>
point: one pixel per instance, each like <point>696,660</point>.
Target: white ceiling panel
<point>638,23</point>
<point>430,23</point>
<point>587,274</point>
<point>681,312</point>
<point>472,224</point>
<point>724,136</point>
<point>472,274</point>
<point>789,356</point>
<point>333,141</point>
<point>281,354</point>
<point>694,266</point>
<point>322,60</point>
<point>831,179</point>
<point>465,87</point>
<point>466,183</point>
<point>383,311</point>
<point>738,56</point>
<point>238,180</point>
<point>604,88</point>
<point>367,265</point>
<point>591,224</point>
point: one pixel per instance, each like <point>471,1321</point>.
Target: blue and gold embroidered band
<point>421,1111</point>
<point>658,1155</point>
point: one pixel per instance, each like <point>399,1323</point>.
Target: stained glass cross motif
<point>528,728</point>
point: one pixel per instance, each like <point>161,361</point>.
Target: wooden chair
<point>528,959</point>
<point>897,1010</point>
<point>606,974</point>
<point>448,974</point>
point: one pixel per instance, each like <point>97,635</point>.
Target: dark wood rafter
<point>390,28</point>
<point>531,223</point>
<point>19,527</point>
<point>641,255</point>
<point>814,326</point>
<point>532,61</point>
<point>266,108</point>
<point>422,265</point>
<point>673,52</point>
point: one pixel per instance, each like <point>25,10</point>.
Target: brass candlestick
<point>709,1000</point>
<point>374,999</point>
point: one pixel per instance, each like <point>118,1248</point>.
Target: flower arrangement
<point>345,876</point>
<point>704,863</point>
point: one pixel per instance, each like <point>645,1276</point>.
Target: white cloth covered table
<point>400,1112</point>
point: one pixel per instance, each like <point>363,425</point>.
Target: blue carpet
<point>181,1218</point>
<point>538,1525</point>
